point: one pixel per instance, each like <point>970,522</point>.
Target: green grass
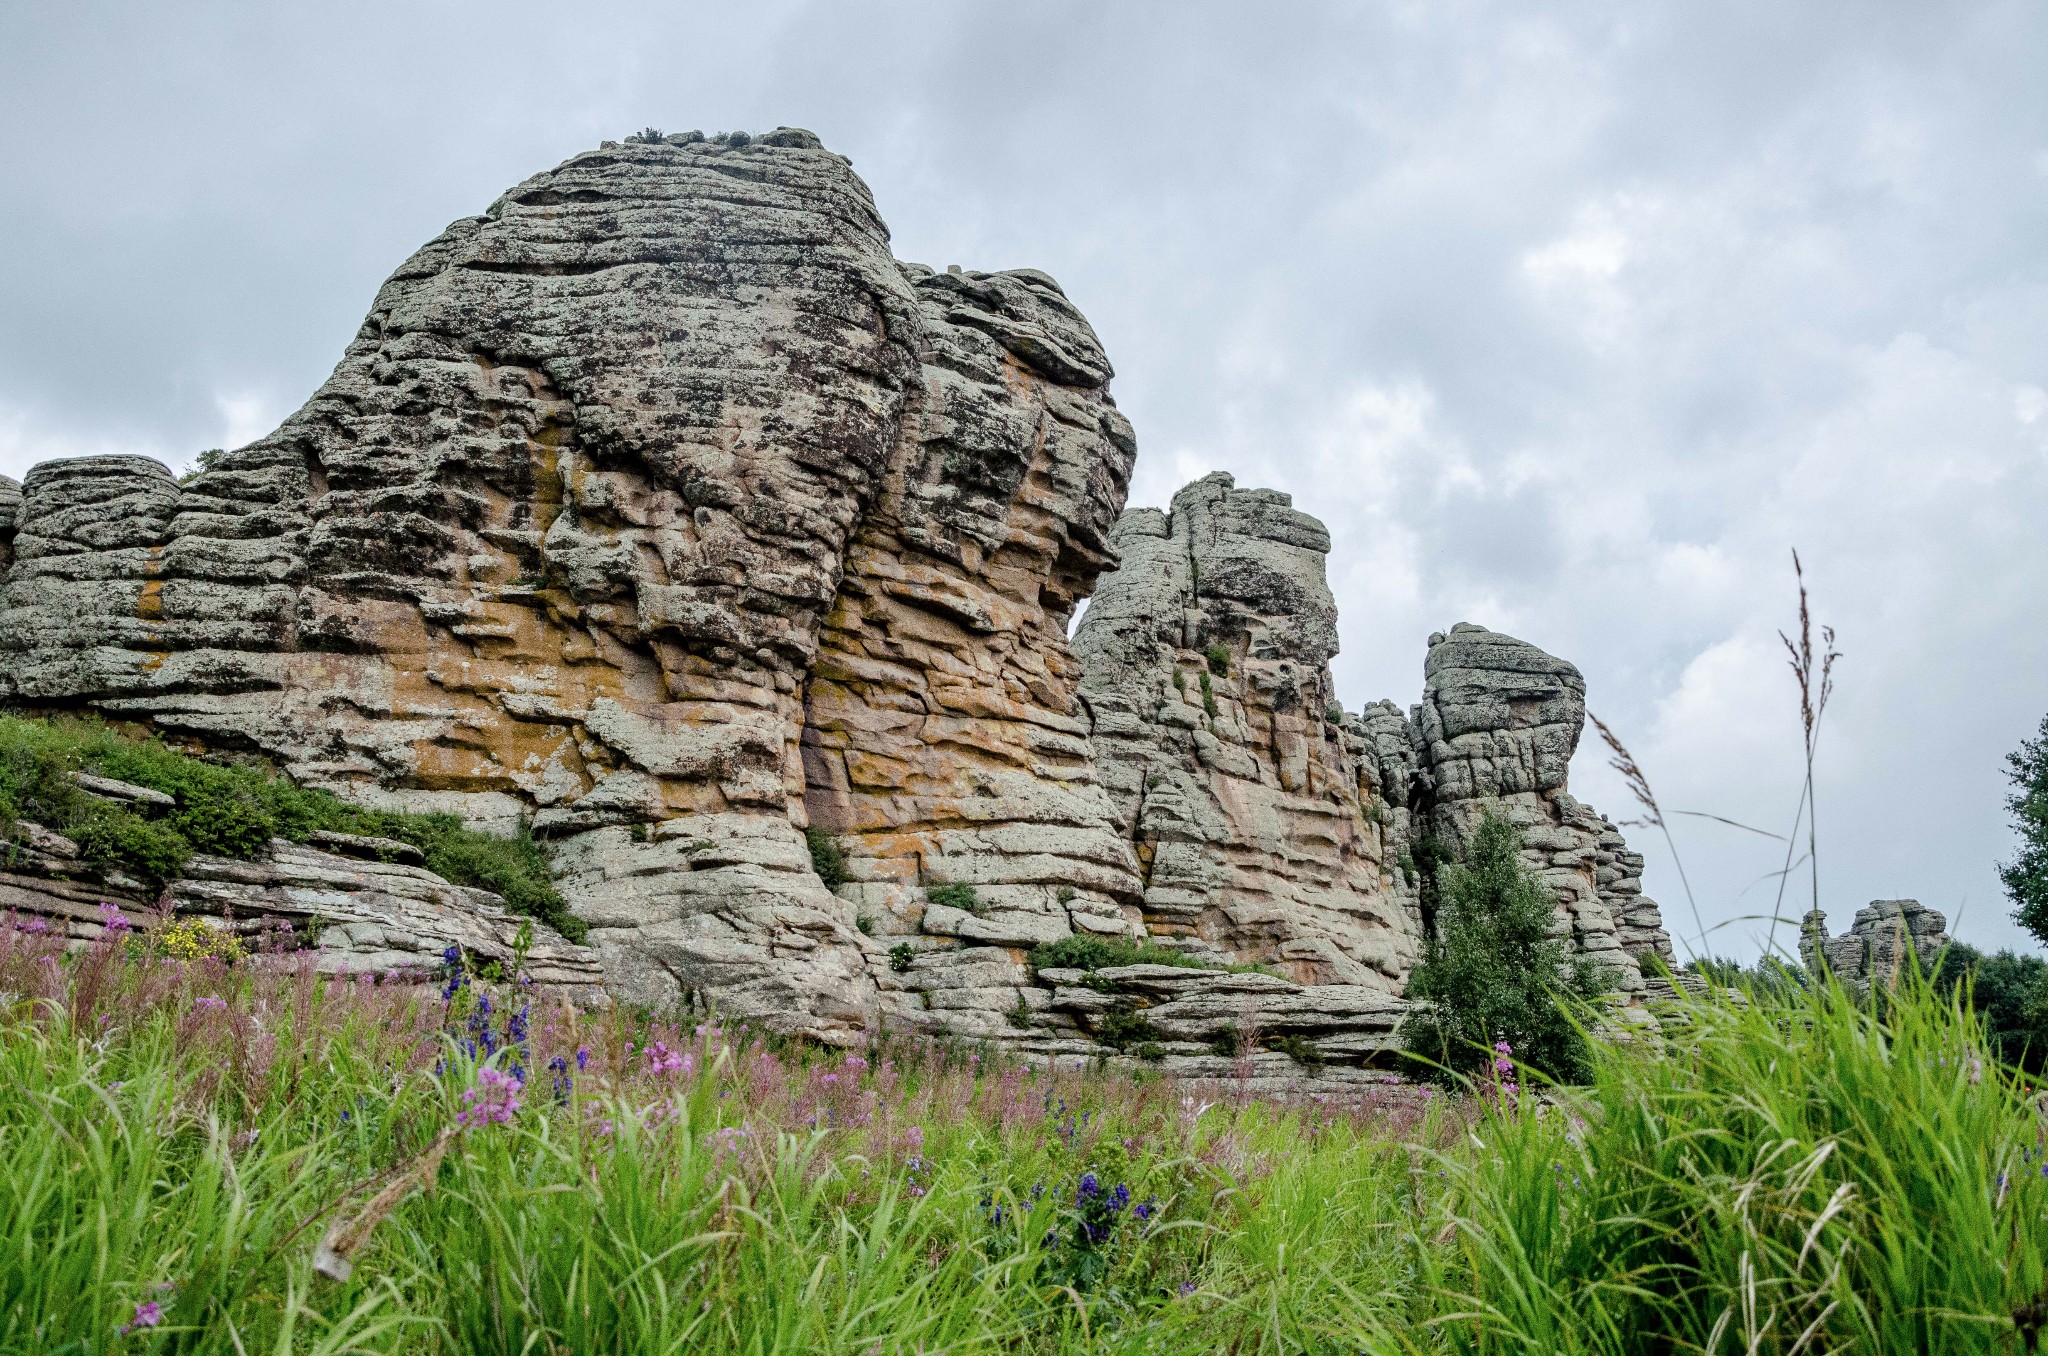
<point>1087,952</point>
<point>232,810</point>
<point>1806,1174</point>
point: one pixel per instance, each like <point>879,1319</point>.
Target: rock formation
<point>611,474</point>
<point>1257,808</point>
<point>1874,949</point>
<point>1272,826</point>
<point>661,509</point>
<point>1495,733</point>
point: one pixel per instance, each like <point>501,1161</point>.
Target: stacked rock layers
<point>560,537</point>
<point>1274,827</point>
<point>659,507</point>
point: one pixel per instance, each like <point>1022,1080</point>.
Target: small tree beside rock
<point>1496,972</point>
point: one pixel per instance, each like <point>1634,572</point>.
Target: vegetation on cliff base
<point>232,810</point>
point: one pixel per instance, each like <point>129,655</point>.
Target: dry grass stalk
<point>1815,674</point>
<point>1638,783</point>
<point>331,1258</point>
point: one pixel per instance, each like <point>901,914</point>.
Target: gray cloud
<point>1570,321</point>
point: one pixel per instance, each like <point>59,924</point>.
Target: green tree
<point>2010,994</point>
<point>1494,971</point>
<point>2026,876</point>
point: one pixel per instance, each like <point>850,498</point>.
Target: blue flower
<point>1091,1186</point>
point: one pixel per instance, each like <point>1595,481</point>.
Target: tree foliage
<point>1495,971</point>
<point>2026,876</point>
<point>2010,994</point>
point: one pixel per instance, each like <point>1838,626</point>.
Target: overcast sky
<point>1571,320</point>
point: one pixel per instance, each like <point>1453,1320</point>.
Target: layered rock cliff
<point>661,509</point>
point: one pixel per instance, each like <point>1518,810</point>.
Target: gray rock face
<point>1874,949</point>
<point>1494,734</point>
<point>660,508</point>
<point>655,506</point>
<point>1256,808</point>
<point>1273,827</point>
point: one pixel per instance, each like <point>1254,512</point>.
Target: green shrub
<point>956,896</point>
<point>826,858</point>
<point>1494,972</point>
<point>1208,694</point>
<point>900,957</point>
<point>1124,1028</point>
<point>232,810</point>
<point>1300,1049</point>
<point>1219,660</point>
<point>115,839</point>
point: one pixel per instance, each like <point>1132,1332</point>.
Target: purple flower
<point>1091,1186</point>
<point>662,1060</point>
<point>1186,1288</point>
<point>147,1315</point>
<point>493,1101</point>
<point>210,1002</point>
<point>582,1058</point>
<point>113,919</point>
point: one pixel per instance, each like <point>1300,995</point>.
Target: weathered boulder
<point>661,509</point>
<point>1494,734</point>
<point>1875,948</point>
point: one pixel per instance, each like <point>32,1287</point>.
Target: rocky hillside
<point>661,508</point>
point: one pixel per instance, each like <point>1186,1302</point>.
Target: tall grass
<point>1800,1173</point>
<point>192,1135</point>
<point>1815,1174</point>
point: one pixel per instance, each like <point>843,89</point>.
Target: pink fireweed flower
<point>113,919</point>
<point>493,1101</point>
<point>147,1315</point>
<point>662,1060</point>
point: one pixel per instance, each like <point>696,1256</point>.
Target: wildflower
<point>662,1060</point>
<point>582,1058</point>
<point>1186,1288</point>
<point>452,956</point>
<point>1091,1186</point>
<point>113,919</point>
<point>493,1101</point>
<point>147,1315</point>
<point>210,1002</point>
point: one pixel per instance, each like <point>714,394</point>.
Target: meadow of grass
<point>191,1152</point>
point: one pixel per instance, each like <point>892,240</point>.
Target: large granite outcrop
<point>654,506</point>
<point>1876,949</point>
<point>660,509</point>
<point>1494,734</point>
<point>1256,806</point>
<point>1275,828</point>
